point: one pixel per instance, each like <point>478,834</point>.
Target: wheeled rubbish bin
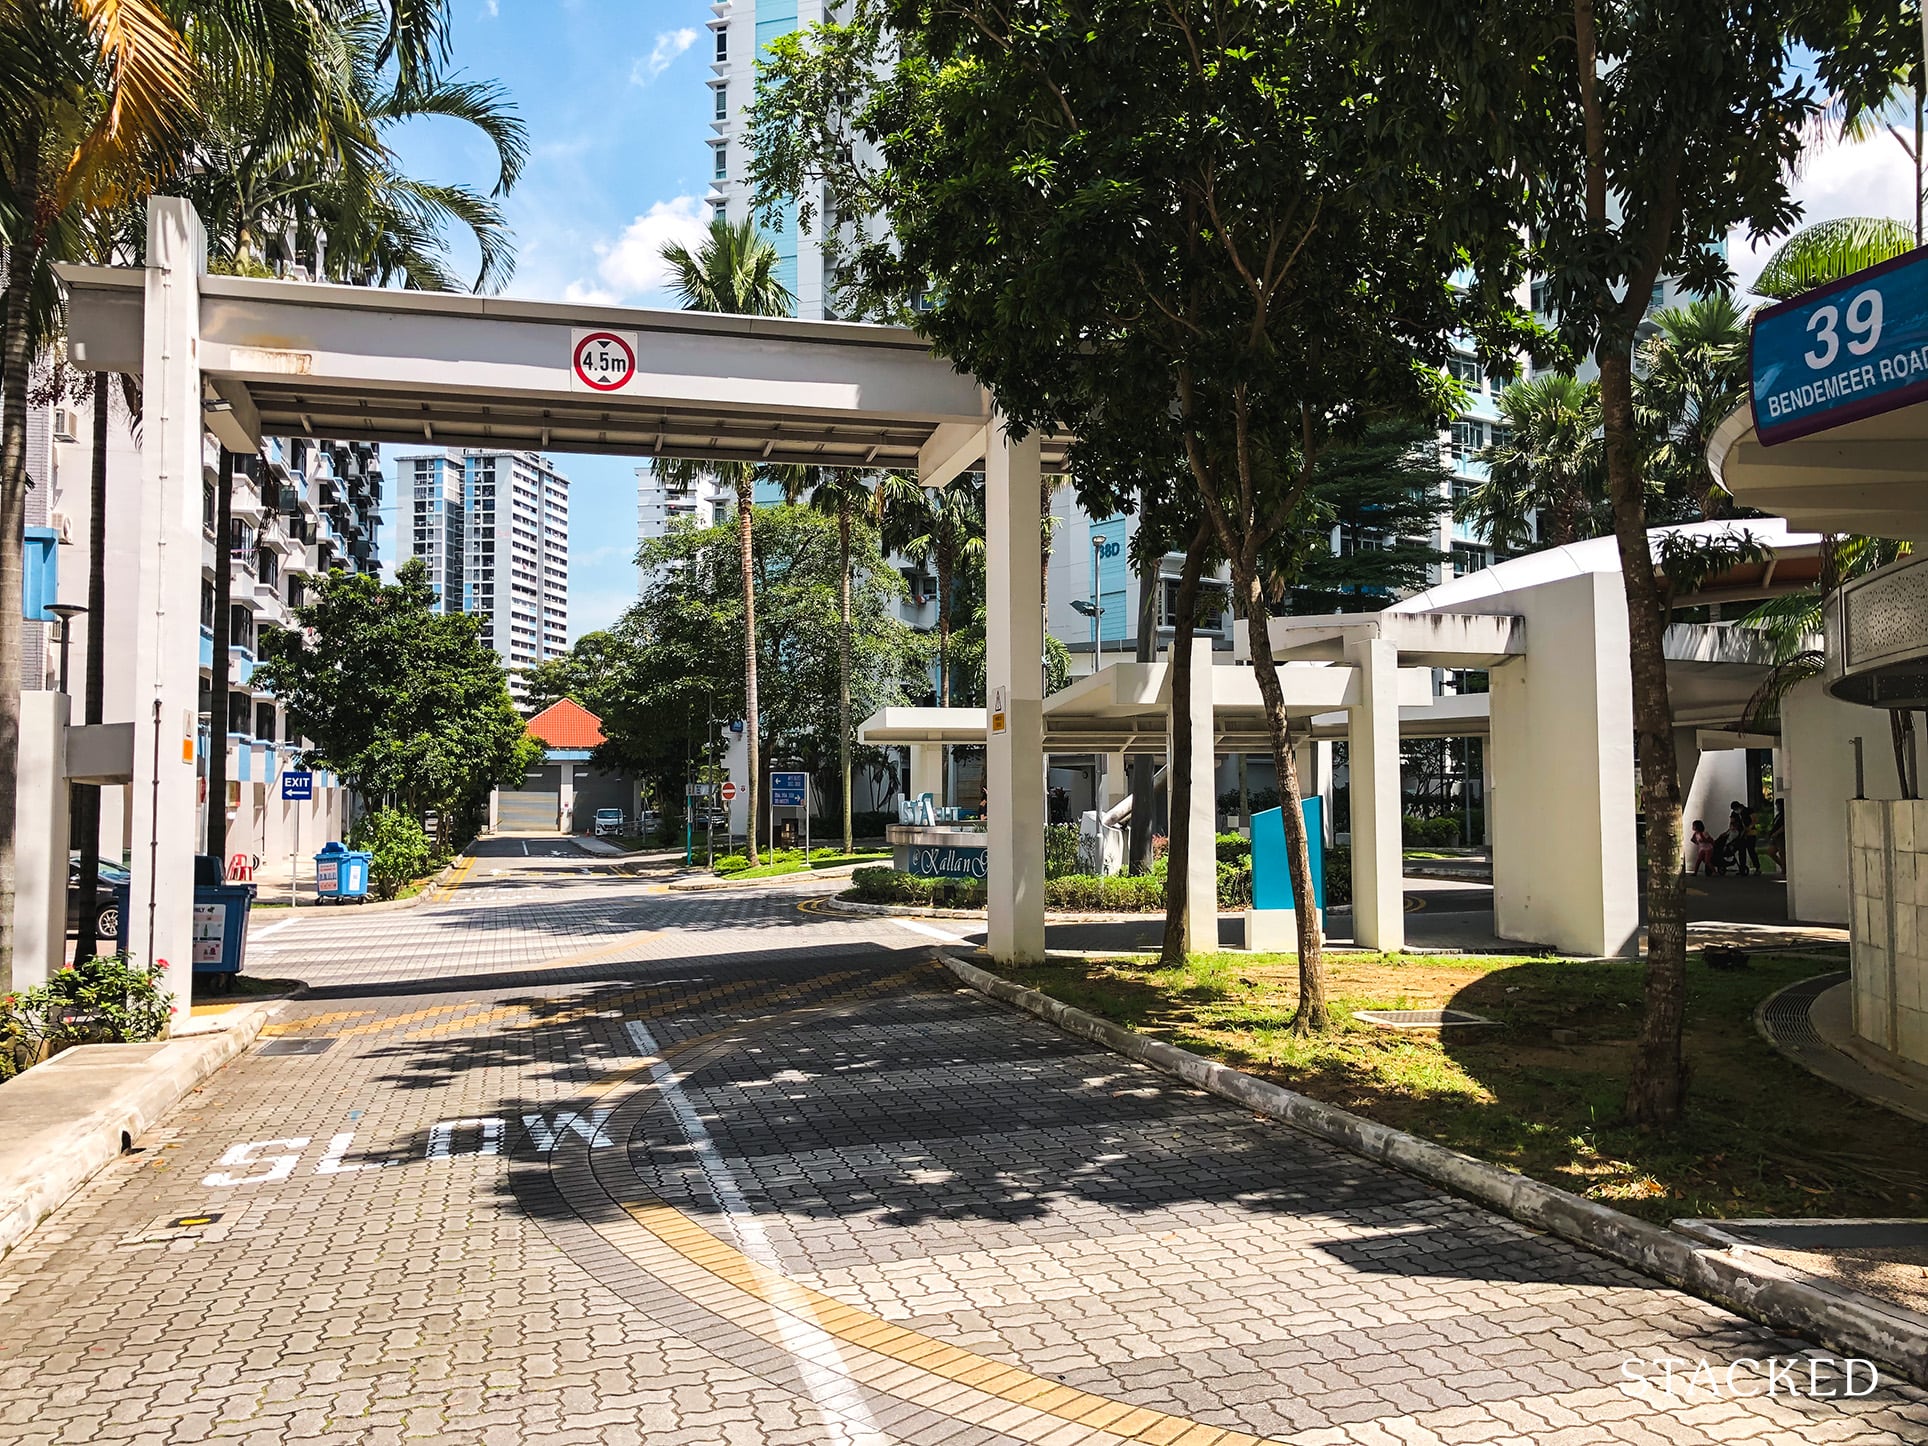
<point>341,873</point>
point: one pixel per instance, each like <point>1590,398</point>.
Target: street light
<point>66,612</point>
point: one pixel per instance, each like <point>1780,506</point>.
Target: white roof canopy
<point>1868,476</point>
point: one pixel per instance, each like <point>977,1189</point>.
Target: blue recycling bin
<point>341,873</point>
<point>220,935</point>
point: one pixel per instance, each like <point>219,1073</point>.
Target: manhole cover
<point>296,1046</point>
<point>1419,1018</point>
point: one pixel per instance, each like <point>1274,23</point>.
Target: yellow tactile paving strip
<point>877,1354</point>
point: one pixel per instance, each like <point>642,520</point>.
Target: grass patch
<point>791,861</point>
<point>1760,1136</point>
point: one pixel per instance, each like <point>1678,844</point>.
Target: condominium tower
<point>493,528</point>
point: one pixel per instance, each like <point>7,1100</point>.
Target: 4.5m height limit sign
<point>601,361</point>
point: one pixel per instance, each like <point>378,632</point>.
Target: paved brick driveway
<point>565,1159</point>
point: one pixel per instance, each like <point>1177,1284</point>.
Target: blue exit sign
<point>1850,349</point>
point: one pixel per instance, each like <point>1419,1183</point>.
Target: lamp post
<point>66,612</point>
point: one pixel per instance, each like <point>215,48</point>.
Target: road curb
<point>41,1166</point>
<point>705,886</point>
<point>856,910</point>
<point>1850,1324</point>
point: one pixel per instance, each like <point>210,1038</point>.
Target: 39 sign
<point>1851,349</point>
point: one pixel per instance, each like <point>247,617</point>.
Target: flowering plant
<point>103,1000</point>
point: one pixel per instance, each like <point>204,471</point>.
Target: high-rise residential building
<point>493,528</point>
<point>702,502</point>
<point>739,30</point>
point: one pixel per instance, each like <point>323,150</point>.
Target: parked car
<point>106,904</point>
<point>609,820</point>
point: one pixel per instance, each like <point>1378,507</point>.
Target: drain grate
<point>1788,1014</point>
<point>1420,1018</point>
<point>297,1046</point>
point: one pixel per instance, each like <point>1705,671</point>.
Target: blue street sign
<point>1851,349</point>
<point>297,787</point>
<point>788,790</point>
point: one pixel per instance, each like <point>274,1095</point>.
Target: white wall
<point>1888,841</point>
<point>1817,756</point>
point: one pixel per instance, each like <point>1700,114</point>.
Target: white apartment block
<point>493,528</point>
<point>660,504</point>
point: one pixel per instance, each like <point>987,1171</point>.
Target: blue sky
<point>618,112</point>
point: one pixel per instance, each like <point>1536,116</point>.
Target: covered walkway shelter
<point>1549,630</point>
<point>243,358</point>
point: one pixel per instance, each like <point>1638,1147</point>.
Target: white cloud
<point>669,44</point>
<point>633,263</point>
<point>491,8</point>
<point>1873,178</point>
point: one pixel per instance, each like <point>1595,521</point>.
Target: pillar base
<point>1274,931</point>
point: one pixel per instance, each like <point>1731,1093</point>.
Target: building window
<point>1542,299</point>
<point>722,43</point>
<point>1469,439</point>
<point>1467,558</point>
<point>722,102</point>
<point>1465,369</point>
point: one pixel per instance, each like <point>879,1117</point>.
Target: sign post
<point>1852,349</point>
<point>297,786</point>
<point>791,790</point>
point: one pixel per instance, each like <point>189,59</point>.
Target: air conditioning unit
<point>66,424</point>
<point>63,526</point>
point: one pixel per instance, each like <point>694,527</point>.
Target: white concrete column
<point>927,771</point>
<point>1116,783</point>
<point>566,800</point>
<point>166,693</point>
<point>1486,790</point>
<point>1014,678</point>
<point>1564,870</point>
<point>1708,783</point>
<point>1372,753</point>
<point>40,840</point>
<point>1201,861</point>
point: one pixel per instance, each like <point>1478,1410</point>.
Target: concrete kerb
<point>62,1121</point>
<point>801,876</point>
<point>976,916</point>
<point>1851,1324</point>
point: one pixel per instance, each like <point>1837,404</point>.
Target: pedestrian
<point>1777,836</point>
<point>1702,845</point>
<point>1741,822</point>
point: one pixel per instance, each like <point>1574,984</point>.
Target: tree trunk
<point>1311,1016</point>
<point>87,795</point>
<point>1658,1082</point>
<point>1178,776</point>
<point>843,680</point>
<point>1901,733</point>
<point>15,357</point>
<point>217,844</point>
<point>745,522</point>
<point>943,627</point>
<point>1144,767</point>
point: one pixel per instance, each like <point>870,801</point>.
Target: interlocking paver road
<point>565,1157</point>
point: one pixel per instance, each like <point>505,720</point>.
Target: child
<point>1703,847</point>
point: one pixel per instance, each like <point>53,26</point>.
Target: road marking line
<point>917,926</point>
<point>826,1374</point>
<point>272,929</point>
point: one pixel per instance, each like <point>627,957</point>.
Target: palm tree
<point>1693,373</point>
<point>1830,250</point>
<point>846,494</point>
<point>1548,464</point>
<point>943,526</point>
<point>734,270</point>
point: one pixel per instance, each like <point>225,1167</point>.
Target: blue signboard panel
<point>946,862</point>
<point>1271,878</point>
<point>1111,577</point>
<point>297,786</point>
<point>1850,349</point>
<point>788,790</point>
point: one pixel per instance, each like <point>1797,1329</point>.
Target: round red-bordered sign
<point>604,361</point>
<point>729,791</point>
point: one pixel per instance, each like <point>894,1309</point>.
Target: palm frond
<point>1829,251</point>
<point>149,100</point>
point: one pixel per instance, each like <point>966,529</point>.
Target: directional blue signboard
<point>788,790</point>
<point>1850,349</point>
<point>297,786</point>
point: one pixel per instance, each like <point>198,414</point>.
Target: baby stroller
<point>1726,853</point>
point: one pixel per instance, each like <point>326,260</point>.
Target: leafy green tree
<point>735,271</point>
<point>676,660</point>
<point>847,495</point>
<point>942,528</point>
<point>1546,481</point>
<point>403,702</point>
<point>1625,141</point>
<point>1367,531</point>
